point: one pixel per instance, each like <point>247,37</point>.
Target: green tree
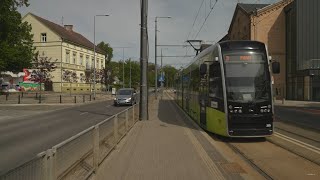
<point>108,51</point>
<point>170,73</point>
<point>16,51</point>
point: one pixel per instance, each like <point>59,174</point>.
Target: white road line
<point>299,143</point>
<point>83,113</point>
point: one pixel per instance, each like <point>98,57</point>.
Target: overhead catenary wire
<point>205,20</point>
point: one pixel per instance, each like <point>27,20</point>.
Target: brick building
<point>265,23</point>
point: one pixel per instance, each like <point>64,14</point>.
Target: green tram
<point>227,89</point>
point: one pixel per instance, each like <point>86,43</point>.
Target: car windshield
<point>247,78</point>
<point>125,92</point>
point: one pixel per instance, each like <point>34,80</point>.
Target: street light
<point>155,58</point>
<point>94,54</point>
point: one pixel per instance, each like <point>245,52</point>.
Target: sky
<point>122,30</point>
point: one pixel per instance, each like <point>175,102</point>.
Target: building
<point>264,23</point>
<point>303,50</point>
<point>72,51</point>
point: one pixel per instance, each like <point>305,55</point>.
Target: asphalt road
<point>22,138</point>
<point>300,116</point>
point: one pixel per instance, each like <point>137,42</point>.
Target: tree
<point>170,73</point>
<point>43,67</point>
<point>16,50</point>
<point>108,51</point>
<point>71,77</point>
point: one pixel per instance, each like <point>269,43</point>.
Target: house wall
<point>56,49</point>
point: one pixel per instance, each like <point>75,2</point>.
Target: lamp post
<point>94,54</point>
<point>155,57</point>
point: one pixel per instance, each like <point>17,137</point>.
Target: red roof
<point>69,35</point>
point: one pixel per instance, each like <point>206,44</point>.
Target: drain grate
<point>232,168</point>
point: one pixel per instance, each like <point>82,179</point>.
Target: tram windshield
<point>247,77</point>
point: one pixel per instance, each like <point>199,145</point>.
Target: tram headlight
<point>240,111</point>
<point>269,110</point>
<point>231,111</point>
<point>230,107</point>
<point>235,111</point>
<point>261,110</point>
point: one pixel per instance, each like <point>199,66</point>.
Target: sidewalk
<point>170,146</point>
<point>297,103</point>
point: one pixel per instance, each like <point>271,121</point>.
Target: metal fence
<point>79,156</point>
<point>49,98</point>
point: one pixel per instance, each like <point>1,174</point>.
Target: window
<point>87,62</point>
<point>81,59</point>
<point>67,56</point>
<point>215,81</point>
<point>92,63</point>
<point>43,37</point>
<point>98,67</point>
<point>74,58</point>
<point>102,66</point>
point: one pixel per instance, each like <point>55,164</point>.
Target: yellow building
<point>72,51</point>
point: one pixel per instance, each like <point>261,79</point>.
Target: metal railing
<point>80,155</point>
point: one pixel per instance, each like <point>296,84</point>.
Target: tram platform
<point>171,146</point>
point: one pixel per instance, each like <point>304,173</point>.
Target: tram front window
<point>247,78</point>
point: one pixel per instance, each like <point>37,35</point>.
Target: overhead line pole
<point>143,106</point>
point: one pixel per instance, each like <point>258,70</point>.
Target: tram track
<point>250,161</point>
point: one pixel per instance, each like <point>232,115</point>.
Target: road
<point>23,137</point>
<point>300,116</point>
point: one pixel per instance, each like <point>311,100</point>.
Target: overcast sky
<point>121,28</point>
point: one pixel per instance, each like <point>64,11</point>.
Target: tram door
<point>203,94</point>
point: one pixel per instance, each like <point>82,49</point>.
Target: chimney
<point>68,27</point>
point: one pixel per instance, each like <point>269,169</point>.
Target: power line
<point>205,20</point>
<point>195,19</point>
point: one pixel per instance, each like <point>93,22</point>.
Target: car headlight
<point>115,99</point>
<point>129,99</point>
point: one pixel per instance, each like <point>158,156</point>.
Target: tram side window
<point>215,81</point>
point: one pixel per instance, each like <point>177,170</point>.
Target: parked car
<point>125,96</point>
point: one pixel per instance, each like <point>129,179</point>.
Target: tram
<point>227,89</point>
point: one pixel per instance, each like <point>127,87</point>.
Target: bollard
<point>90,97</point>
<point>84,98</point>
<point>40,99</point>
<point>75,99</point>
<point>60,99</point>
<point>36,95</point>
<point>7,97</point>
<point>19,99</point>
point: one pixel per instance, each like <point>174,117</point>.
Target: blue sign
<point>161,78</point>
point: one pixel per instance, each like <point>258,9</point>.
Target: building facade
<point>264,23</point>
<point>303,50</point>
<point>71,51</point>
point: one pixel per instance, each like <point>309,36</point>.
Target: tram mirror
<point>276,67</point>
<point>203,69</point>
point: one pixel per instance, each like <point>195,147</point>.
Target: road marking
<point>83,113</point>
<point>299,143</point>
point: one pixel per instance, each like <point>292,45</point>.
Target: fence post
<point>75,99</point>
<point>19,99</point>
<point>96,148</point>
<point>84,98</point>
<point>60,99</point>
<point>115,128</point>
<point>51,155</point>
<point>133,115</point>
<point>126,122</point>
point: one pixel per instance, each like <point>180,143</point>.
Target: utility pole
<point>123,68</point>
<point>143,114</point>
<point>130,72</point>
